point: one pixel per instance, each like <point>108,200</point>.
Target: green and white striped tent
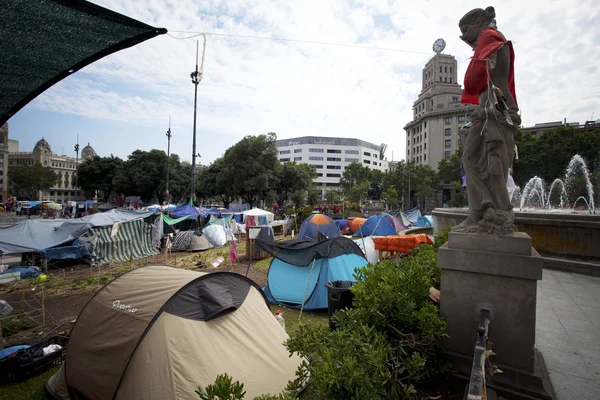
<point>121,241</point>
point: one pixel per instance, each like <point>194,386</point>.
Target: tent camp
<point>398,226</point>
<point>375,226</point>
<point>158,332</point>
<point>260,217</point>
<point>300,269</point>
<point>316,223</point>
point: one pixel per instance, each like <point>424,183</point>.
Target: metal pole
<point>168,160</point>
<point>77,167</point>
<point>408,170</point>
<point>195,80</point>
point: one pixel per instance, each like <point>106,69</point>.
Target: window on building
<point>334,175</point>
<point>332,184</point>
<point>367,161</point>
<point>448,132</point>
<point>332,151</point>
<point>425,124</point>
<point>425,146</point>
<point>374,155</point>
<point>351,159</point>
<point>367,154</point>
<point>52,193</point>
<point>285,152</point>
<point>408,142</point>
<point>455,99</point>
<point>315,158</point>
<point>319,175</point>
<point>297,150</point>
<point>450,69</point>
<point>440,70</point>
<point>425,157</point>
<point>448,120</point>
<point>461,118</point>
<point>351,151</point>
<point>334,159</point>
<point>447,143</point>
<point>447,154</point>
<point>317,166</point>
<point>297,158</point>
<point>425,135</point>
<point>446,69</point>
<point>450,80</point>
<point>334,167</point>
<point>315,150</point>
<point>445,80</point>
<point>284,159</point>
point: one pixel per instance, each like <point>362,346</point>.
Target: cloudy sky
<point>253,86</point>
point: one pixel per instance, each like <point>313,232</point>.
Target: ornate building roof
<point>88,151</point>
<point>41,144</point>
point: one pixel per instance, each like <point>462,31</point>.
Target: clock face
<point>439,45</point>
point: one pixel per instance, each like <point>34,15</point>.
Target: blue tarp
<point>413,215</point>
<point>26,272</point>
<point>286,283</point>
<point>10,350</point>
<point>33,203</point>
<point>376,226</point>
<point>72,252</point>
<point>185,210</point>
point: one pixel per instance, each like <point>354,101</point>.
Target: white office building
<point>331,156</point>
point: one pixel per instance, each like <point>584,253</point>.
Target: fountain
<point>549,214</point>
<point>536,196</point>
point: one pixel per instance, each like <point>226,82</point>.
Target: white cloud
<point>254,86</point>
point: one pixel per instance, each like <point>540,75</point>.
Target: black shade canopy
<point>44,41</point>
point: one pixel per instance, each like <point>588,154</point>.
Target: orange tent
<point>357,223</point>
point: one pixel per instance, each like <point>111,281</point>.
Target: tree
<point>313,197</point>
<point>355,174</point>
<point>98,174</point>
<point>449,168</point>
<point>144,175</point>
<point>426,183</point>
<point>31,178</point>
<point>294,177</point>
<point>390,195</point>
<point>359,192</point>
<point>253,165</point>
<point>216,181</point>
<point>298,198</point>
<point>332,196</point>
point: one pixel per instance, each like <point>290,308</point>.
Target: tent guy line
<point>196,34</point>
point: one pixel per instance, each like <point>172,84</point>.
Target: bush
<point>387,343</point>
<point>225,389</point>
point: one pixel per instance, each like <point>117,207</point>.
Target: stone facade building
<point>437,114</point>
<point>64,166</point>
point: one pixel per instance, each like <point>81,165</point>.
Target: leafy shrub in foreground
<point>387,343</point>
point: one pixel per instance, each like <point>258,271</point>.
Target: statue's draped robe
<point>489,144</point>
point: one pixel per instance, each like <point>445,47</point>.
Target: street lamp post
<point>196,77</point>
<point>77,167</point>
<point>168,160</point>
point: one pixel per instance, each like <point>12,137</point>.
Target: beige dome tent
<point>158,332</point>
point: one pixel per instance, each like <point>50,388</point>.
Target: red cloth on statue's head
<point>477,77</point>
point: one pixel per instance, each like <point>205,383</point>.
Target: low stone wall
<point>567,234</point>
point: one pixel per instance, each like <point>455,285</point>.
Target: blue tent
<point>413,215</point>
<point>318,223</point>
<point>334,259</point>
<point>185,210</point>
<point>341,223</point>
<point>425,220</point>
<point>376,226</point>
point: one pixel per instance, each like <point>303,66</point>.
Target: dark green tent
<point>44,41</point>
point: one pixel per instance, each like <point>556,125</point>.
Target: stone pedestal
<point>499,273</point>
<point>374,207</point>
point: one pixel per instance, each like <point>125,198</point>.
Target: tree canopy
<point>294,177</point>
<point>28,179</point>
<point>98,173</point>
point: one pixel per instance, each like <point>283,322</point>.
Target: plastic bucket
<point>339,297</point>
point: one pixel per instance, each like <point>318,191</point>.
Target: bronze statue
<point>489,141</point>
